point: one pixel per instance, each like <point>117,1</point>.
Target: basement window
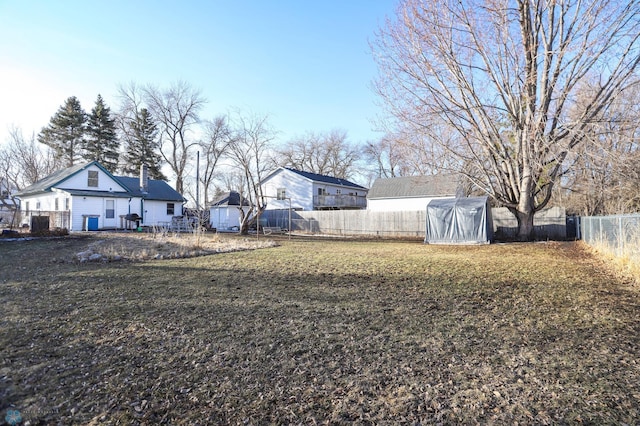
<point>92,178</point>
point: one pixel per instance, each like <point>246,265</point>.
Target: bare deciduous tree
<point>139,132</point>
<point>24,161</point>
<point>503,76</point>
<point>214,145</point>
<point>176,110</point>
<point>403,154</point>
<point>605,175</point>
<point>252,139</point>
<point>323,153</point>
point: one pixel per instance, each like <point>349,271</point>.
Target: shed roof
<point>415,186</point>
<point>231,198</point>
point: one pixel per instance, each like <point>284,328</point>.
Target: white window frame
<point>93,178</point>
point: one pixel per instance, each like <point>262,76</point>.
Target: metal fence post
<point>621,237</point>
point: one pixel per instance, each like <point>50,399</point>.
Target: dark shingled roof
<point>415,186</point>
<point>158,189</point>
<point>326,179</point>
<point>227,199</point>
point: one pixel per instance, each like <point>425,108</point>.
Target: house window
<point>282,194</point>
<point>37,205</point>
<point>56,204</point>
<point>171,208</point>
<point>110,211</point>
<point>26,206</point>
<point>93,178</point>
<point>67,204</point>
<point>322,191</point>
<point>338,191</point>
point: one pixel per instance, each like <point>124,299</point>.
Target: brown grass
<point>320,332</point>
<point>625,259</point>
<point>146,246</point>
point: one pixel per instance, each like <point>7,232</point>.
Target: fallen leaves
<point>320,332</point>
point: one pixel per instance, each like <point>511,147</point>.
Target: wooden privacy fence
<point>549,224</point>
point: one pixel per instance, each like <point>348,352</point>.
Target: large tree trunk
<point>526,231</point>
<point>179,184</point>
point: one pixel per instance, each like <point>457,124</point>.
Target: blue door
<point>92,224</point>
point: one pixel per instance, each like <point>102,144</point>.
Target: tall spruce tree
<point>102,142</point>
<point>65,133</point>
<point>142,146</point>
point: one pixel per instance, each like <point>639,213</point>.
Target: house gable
<point>93,177</point>
<point>76,177</point>
<point>296,187</point>
<point>310,191</point>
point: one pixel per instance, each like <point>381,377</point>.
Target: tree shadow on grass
<point>241,338</point>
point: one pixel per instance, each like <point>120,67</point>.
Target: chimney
<point>144,178</point>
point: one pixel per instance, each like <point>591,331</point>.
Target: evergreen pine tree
<point>142,146</point>
<point>102,142</point>
<point>65,133</point>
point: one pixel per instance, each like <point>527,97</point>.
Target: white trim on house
<point>75,192</point>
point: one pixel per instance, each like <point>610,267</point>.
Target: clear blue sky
<point>305,63</point>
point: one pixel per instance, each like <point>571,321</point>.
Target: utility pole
<point>198,182</point>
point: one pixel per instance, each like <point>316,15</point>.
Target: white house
<point>224,211</point>
<point>88,197</point>
<point>311,191</point>
<point>411,192</point>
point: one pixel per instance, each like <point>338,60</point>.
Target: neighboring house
<point>224,211</point>
<point>411,192</point>
<point>311,191</point>
<point>87,197</point>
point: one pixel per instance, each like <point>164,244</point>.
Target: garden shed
<point>459,221</point>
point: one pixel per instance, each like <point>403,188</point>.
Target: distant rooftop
<point>326,179</point>
<point>415,186</point>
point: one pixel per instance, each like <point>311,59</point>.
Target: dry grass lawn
<point>328,332</point>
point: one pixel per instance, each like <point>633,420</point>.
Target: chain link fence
<point>620,234</point>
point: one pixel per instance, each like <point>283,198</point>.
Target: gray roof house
<point>411,192</point>
<point>87,196</point>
